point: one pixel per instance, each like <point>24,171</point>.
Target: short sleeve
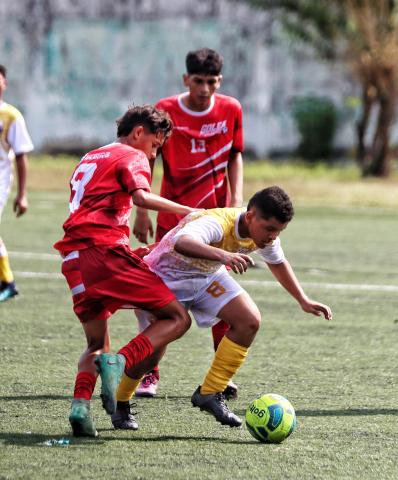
<point>134,172</point>
<point>273,253</point>
<point>205,229</point>
<point>18,136</point>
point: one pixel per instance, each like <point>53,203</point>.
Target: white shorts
<point>204,297</point>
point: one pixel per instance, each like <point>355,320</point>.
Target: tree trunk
<point>362,126</point>
<point>380,165</point>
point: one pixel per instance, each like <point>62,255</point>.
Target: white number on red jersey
<point>80,179</point>
<point>198,145</point>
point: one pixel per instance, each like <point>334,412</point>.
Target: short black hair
<point>3,71</point>
<point>273,202</point>
<point>204,61</point>
<point>150,117</point>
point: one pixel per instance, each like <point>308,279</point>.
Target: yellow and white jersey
<point>14,135</point>
<point>217,227</point>
<point>14,139</point>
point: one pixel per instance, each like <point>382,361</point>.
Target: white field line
<point>258,283</point>
<point>55,276</point>
<point>327,286</point>
<point>52,257</point>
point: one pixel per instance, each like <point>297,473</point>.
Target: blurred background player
<point>202,161</point>
<point>14,141</point>
<point>191,260</point>
<point>102,272</point>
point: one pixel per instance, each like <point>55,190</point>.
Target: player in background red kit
<point>102,272</point>
<point>202,161</point>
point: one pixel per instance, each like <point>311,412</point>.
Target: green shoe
<point>80,419</point>
<point>111,368</point>
<point>7,291</point>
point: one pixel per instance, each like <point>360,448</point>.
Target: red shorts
<point>105,279</point>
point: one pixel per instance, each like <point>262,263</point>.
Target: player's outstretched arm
<point>191,247</point>
<point>285,275</point>
<point>144,199</point>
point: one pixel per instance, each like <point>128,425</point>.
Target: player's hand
<point>20,205</point>
<point>238,262</point>
<point>142,226</point>
<point>193,210</point>
<point>143,251</point>
<point>317,309</point>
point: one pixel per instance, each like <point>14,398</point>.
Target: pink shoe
<point>148,386</point>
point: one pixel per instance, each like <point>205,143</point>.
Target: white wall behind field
<point>75,66</point>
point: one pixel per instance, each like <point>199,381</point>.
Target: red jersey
<point>100,202</point>
<point>197,154</point>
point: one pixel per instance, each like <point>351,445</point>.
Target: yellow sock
<point>227,360</point>
<point>5,270</point>
<point>127,387</point>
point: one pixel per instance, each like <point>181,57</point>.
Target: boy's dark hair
<point>3,71</point>
<point>204,61</point>
<point>151,118</point>
<point>273,202</point>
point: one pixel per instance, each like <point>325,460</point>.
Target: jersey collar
<point>192,112</point>
<point>237,226</point>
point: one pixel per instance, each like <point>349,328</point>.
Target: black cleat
<point>231,391</point>
<point>123,418</point>
<point>214,403</point>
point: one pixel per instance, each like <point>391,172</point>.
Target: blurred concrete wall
<point>75,65</point>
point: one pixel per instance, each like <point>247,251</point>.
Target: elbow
<point>182,245</point>
<point>179,246</point>
<point>139,198</point>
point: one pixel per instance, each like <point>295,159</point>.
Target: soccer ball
<point>270,418</point>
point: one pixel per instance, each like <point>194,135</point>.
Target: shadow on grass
<point>38,440</point>
<point>347,412</point>
<point>300,413</point>
<point>23,398</point>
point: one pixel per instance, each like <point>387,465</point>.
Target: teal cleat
<point>111,368</point>
<point>7,291</point>
<point>80,419</point>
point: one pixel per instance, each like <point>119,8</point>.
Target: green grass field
<point>340,375</point>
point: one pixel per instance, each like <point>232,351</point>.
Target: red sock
<point>156,372</point>
<point>136,350</point>
<point>218,331</point>
<point>84,385</point>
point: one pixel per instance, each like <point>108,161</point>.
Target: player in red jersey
<point>202,161</point>
<point>102,271</point>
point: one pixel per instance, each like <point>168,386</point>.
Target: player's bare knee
<point>182,322</point>
<point>175,312</point>
<point>252,322</point>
